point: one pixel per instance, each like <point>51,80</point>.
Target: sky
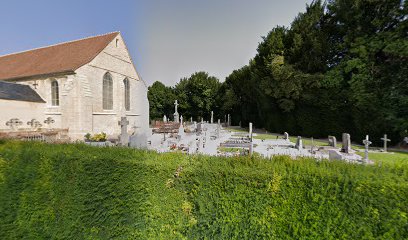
<point>167,39</point>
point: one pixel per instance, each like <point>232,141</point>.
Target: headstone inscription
<point>124,136</point>
<point>346,142</point>
<point>385,139</point>
<point>367,143</point>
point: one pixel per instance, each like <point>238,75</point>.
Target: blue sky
<point>168,39</point>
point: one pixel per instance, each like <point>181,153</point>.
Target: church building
<point>84,86</point>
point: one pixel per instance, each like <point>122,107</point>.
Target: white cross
<point>385,139</point>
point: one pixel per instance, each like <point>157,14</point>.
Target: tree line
<point>341,66</point>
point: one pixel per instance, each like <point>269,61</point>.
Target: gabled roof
<point>18,92</point>
<point>60,58</point>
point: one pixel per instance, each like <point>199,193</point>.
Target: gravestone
<point>212,117</point>
<point>191,119</point>
<point>14,123</point>
<point>346,142</point>
<point>181,128</point>
<point>124,135</point>
<point>385,139</point>
<point>164,118</point>
<point>299,143</point>
<point>366,145</point>
<point>229,120</point>
<point>286,136</point>
<point>176,114</point>
<point>250,131</point>
<point>332,141</point>
<point>34,124</point>
<point>138,140</point>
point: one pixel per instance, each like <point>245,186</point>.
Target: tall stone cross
<point>124,135</point>
<point>366,144</point>
<point>385,139</point>
<point>176,114</point>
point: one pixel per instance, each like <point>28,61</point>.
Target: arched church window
<point>127,93</point>
<point>107,92</point>
<point>54,93</point>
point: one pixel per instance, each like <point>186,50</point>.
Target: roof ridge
<point>58,44</point>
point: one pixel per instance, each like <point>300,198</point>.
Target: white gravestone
<point>385,139</point>
<point>176,114</point>
<point>299,143</point>
<point>366,144</point>
<point>212,117</point>
<point>346,142</point>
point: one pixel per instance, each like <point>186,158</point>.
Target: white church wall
<point>24,111</point>
<point>115,60</point>
<point>80,97</point>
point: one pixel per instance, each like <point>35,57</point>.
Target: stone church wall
<point>24,111</point>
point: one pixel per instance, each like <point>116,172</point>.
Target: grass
<point>82,192</point>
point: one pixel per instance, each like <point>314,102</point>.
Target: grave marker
<point>385,139</point>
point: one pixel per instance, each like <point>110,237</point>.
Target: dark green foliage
<point>197,95</point>
<point>82,192</point>
<point>342,66</point>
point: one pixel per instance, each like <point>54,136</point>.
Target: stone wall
<point>24,111</point>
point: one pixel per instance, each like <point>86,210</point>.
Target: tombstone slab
<point>346,143</point>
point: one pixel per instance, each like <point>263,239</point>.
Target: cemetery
<point>302,136</point>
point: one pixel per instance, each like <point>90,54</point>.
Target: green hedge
<point>82,192</point>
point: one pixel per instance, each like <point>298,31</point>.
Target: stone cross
<point>212,117</point>
<point>385,139</point>
<point>34,124</point>
<point>164,118</point>
<point>299,143</point>
<point>14,123</point>
<point>176,114</point>
<point>124,136</point>
<point>366,144</point>
<point>346,142</point>
<point>49,121</point>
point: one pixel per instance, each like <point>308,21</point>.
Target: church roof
<point>60,58</point>
<point>19,92</point>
